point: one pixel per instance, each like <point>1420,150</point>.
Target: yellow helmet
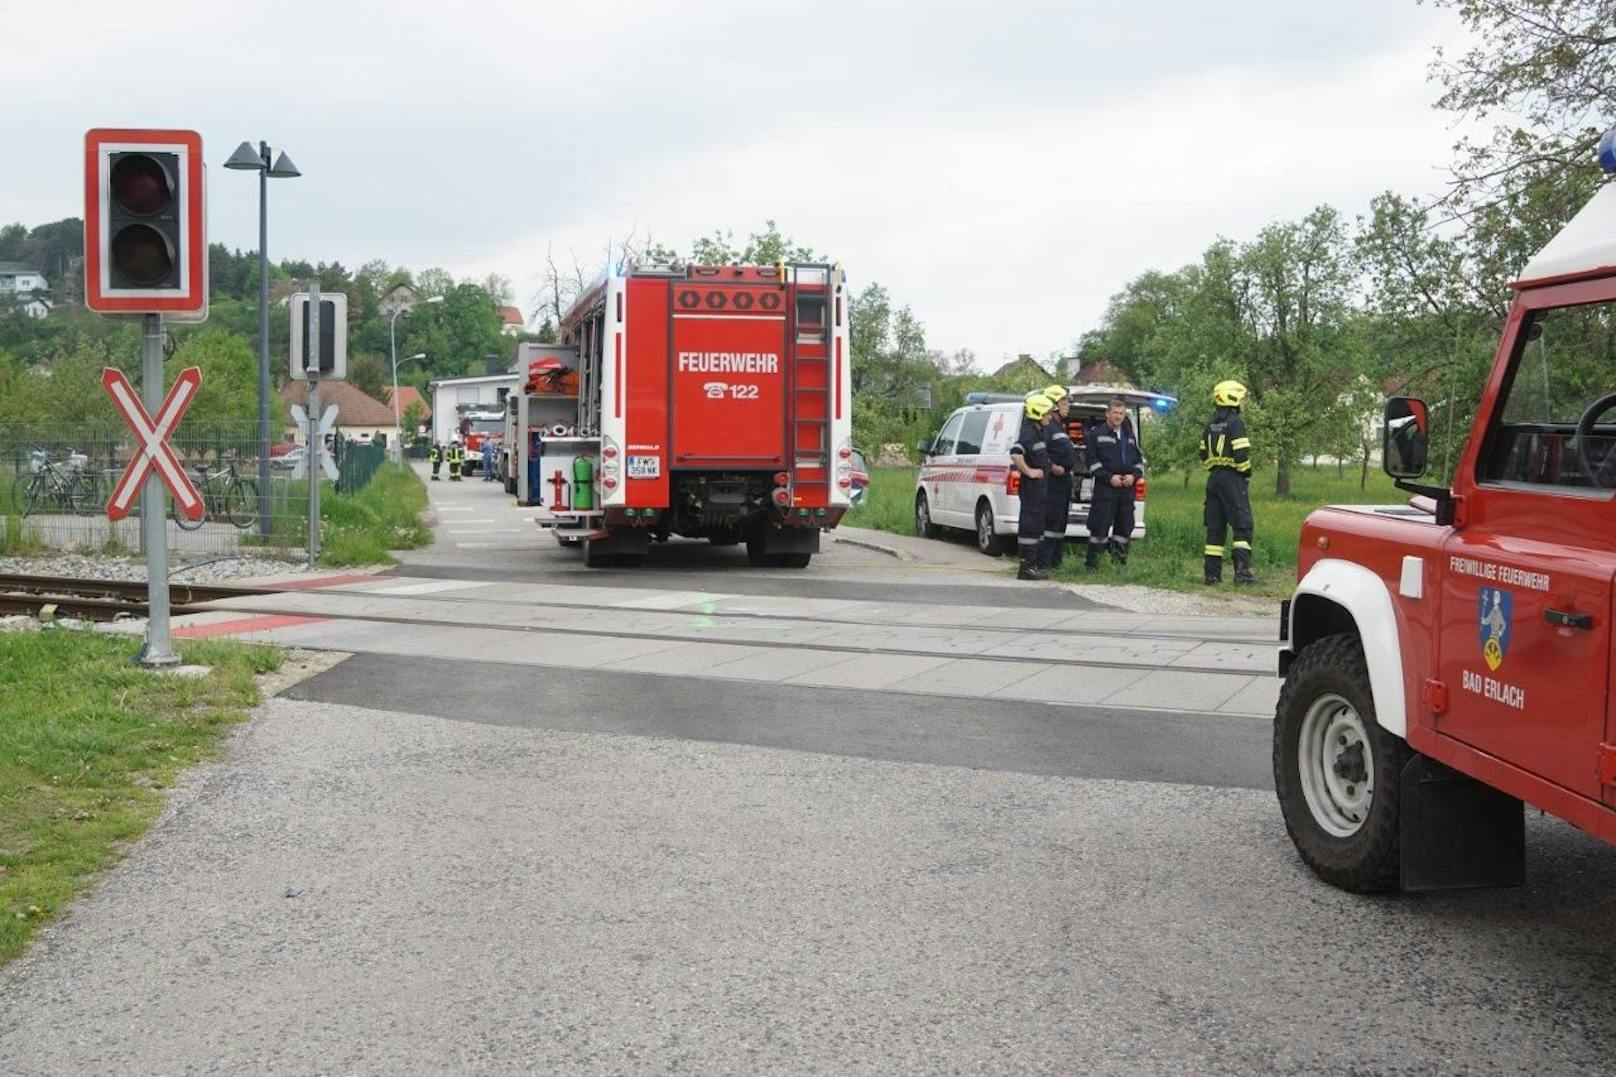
<point>1228,394</point>
<point>1056,393</point>
<point>1038,406</point>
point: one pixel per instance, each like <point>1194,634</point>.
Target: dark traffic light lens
<point>141,185</point>
<point>142,255</point>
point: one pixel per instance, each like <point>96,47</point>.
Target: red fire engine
<point>1448,660</point>
<point>705,401</point>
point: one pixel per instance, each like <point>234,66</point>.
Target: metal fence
<point>55,481</point>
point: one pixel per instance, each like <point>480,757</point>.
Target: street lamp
<point>392,350</point>
<point>398,429</point>
<point>248,159</point>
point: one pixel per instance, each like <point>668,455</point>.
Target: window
<point>811,315</point>
<point>944,445</point>
<point>1565,360</point>
<point>970,436</point>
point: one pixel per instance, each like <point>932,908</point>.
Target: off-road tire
<point>924,527</point>
<point>987,540</point>
<point>1365,862</point>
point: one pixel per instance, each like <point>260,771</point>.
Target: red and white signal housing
<point>720,398</point>
<point>145,234</point>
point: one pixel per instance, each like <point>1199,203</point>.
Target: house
<point>359,415</point>
<point>511,321</point>
<point>36,306</point>
<point>451,395</point>
<point>1102,372</point>
<point>396,298</point>
<point>407,395</point>
<point>20,280</point>
<point>1024,368</point>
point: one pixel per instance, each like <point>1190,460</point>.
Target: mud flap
<point>1456,833</point>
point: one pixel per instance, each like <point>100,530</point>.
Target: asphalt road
<point>619,855</point>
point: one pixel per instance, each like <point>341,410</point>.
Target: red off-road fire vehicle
<point>1448,660</point>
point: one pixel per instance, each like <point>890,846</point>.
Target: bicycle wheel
<point>88,497</point>
<point>19,492</point>
<point>38,495</point>
<point>241,503</point>
<point>185,522</point>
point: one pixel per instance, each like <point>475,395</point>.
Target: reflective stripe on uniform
<point>1241,544</point>
<point>1096,466</point>
<point>1240,443</point>
<point>1028,541</point>
<point>1037,445</point>
<point>1054,534</point>
<point>1214,551</point>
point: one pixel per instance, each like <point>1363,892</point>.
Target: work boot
<point>1214,568</point>
<point>1030,570</point>
<point>1119,551</point>
<point>1242,566</point>
<point>1091,558</point>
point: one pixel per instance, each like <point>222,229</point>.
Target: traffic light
<point>145,242</point>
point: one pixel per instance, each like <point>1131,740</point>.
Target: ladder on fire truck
<point>811,332</point>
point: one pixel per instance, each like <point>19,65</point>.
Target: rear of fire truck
<point>714,402</point>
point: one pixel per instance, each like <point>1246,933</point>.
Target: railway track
<point>104,600</point>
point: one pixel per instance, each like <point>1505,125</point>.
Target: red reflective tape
<point>244,625</point>
<point>617,379</point>
<point>838,377</point>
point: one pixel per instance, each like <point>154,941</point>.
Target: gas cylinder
<point>583,484</point>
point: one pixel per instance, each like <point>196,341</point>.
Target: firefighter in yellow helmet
<point>1030,457</point>
<point>1226,454</point>
<point>1058,493</point>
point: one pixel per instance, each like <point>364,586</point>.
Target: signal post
<point>145,255</point>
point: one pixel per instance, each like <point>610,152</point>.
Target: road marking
<point>491,531</point>
<point>430,587</point>
<point>451,508</point>
<point>493,546</point>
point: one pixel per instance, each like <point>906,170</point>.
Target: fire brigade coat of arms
<point>1495,621</point>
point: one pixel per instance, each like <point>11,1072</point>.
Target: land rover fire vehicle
<point>1449,660</point>
<point>711,402</point>
<point>966,481</point>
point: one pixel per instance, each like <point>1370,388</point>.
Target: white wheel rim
<point>922,517</point>
<point>984,530</point>
<point>1336,766</point>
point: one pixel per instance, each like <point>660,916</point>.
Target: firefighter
<point>1058,495</point>
<point>436,456</point>
<point>1116,465</point>
<point>1226,454</point>
<point>456,455</point>
<point>1030,456</point>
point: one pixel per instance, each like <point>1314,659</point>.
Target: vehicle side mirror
<point>923,446</point>
<point>1405,439</point>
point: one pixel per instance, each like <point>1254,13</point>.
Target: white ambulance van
<point>966,481</point>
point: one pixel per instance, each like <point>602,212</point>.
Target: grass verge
<point>384,516</point>
<point>88,743</point>
<point>1170,554</point>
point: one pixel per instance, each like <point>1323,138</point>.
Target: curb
<point>865,544</point>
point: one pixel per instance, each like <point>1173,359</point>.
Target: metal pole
<point>314,453</point>
<point>159,650</point>
<point>398,427</point>
<point>263,342</point>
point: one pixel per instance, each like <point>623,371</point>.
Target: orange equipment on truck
<point>712,402</point>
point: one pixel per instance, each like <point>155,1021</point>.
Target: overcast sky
<point>1001,167</point>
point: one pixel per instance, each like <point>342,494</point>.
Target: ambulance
<point>1448,661</point>
<point>966,483</point>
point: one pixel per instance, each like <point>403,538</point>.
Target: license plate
<point>644,467</point>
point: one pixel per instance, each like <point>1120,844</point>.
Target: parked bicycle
<point>69,487</point>
<point>224,493</point>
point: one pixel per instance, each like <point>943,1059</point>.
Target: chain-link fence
<point>55,481</point>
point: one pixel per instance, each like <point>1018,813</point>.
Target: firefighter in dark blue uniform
<point>1058,497</point>
<point>1226,454</point>
<point>436,457</point>
<point>1030,456</point>
<point>1116,466</point>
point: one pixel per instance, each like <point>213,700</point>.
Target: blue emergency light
<point>1607,151</point>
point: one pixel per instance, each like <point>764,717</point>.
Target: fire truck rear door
<point>729,376</point>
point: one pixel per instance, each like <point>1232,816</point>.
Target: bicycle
<point>48,485</point>
<point>224,493</point>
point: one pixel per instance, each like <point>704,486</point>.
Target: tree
<point>433,281</point>
<point>371,375</point>
<point>413,419</point>
<point>498,288</point>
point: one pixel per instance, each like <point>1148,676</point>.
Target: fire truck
<point>709,402</point>
<point>476,424</point>
<point>1449,660</point>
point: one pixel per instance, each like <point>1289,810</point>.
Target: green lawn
<point>88,743</point>
<point>1170,554</point>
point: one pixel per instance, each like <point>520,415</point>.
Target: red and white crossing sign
<point>152,449</point>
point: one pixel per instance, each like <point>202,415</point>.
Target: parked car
<point>966,482</point>
<point>288,460</point>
